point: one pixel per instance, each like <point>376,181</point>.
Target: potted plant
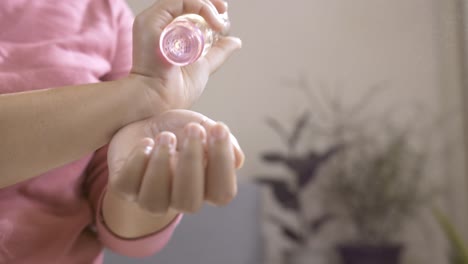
<point>377,185</point>
<point>303,168</point>
<point>374,171</point>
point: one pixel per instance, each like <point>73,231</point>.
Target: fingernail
<point>224,18</point>
<point>194,131</point>
<point>165,139</point>
<point>148,149</point>
<point>240,43</point>
<point>219,132</point>
<point>148,146</point>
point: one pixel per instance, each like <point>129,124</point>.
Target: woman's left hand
<point>167,165</point>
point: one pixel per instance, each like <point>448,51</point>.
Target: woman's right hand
<point>171,86</point>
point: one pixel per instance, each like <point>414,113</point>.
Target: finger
<point>238,153</point>
<point>176,8</point>
<point>155,188</point>
<point>221,6</point>
<point>208,123</point>
<point>179,117</point>
<point>220,52</point>
<point>221,182</point>
<point>127,181</point>
<point>188,183</point>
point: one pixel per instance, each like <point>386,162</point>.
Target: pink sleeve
<point>95,185</point>
<point>121,60</point>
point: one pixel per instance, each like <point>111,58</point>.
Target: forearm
<point>44,129</point>
<point>120,217</point>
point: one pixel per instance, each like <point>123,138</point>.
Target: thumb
<point>220,52</point>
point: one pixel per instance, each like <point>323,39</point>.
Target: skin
<point>180,160</point>
<point>36,131</point>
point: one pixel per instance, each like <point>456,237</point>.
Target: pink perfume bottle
<point>186,38</point>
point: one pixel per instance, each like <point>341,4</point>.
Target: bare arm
<point>44,129</point>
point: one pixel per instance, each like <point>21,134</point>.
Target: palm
<point>183,85</point>
<point>173,86</point>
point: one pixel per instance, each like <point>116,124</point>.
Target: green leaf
<point>459,247</point>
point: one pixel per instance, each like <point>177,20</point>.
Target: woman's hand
<point>170,86</point>
<point>168,165</point>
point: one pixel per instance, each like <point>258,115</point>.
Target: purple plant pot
<point>366,254</point>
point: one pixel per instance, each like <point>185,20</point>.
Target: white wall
<point>347,45</point>
<point>343,45</point>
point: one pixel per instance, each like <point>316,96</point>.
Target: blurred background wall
<point>412,47</point>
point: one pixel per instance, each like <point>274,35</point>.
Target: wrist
<point>142,101</point>
<point>150,101</point>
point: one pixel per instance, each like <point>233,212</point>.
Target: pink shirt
<point>54,217</point>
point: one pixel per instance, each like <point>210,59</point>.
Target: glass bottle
<point>186,38</point>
